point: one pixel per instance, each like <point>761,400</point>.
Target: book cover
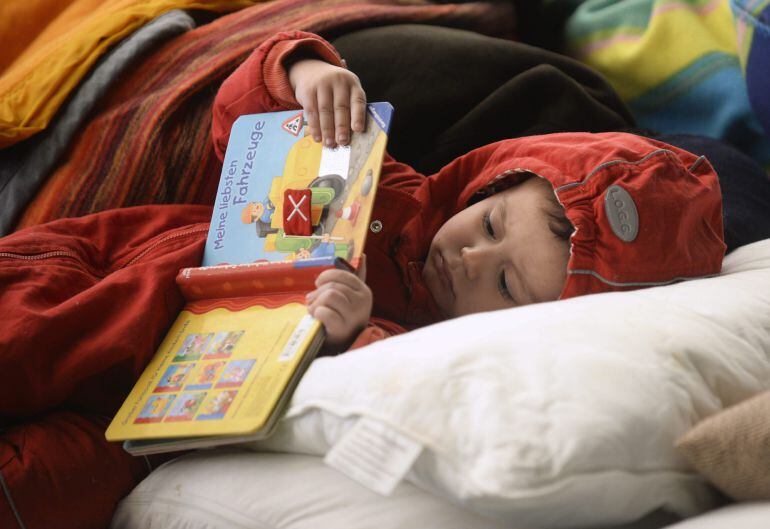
<point>269,154</point>
<point>286,209</point>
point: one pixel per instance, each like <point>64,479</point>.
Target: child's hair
<point>558,223</point>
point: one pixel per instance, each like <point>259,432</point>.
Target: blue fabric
<point>758,68</point>
<point>729,118</point>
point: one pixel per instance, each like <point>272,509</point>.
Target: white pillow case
<point>560,414</point>
<point>236,489</point>
<point>744,515</point>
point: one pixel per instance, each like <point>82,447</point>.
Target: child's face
<point>498,253</point>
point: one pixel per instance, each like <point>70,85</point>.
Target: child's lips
<point>444,273</point>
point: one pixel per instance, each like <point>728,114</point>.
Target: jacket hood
<point>645,213</point>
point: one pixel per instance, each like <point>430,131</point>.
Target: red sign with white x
<point>296,212</point>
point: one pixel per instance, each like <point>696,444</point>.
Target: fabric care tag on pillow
<point>374,455</point>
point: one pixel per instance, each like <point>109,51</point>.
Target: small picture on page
<point>173,379</point>
<point>205,375</point>
<point>155,409</point>
<point>223,345</point>
<point>216,406</point>
<point>193,347</point>
<point>235,373</point>
<point>185,406</point>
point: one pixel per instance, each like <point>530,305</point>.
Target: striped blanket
<point>676,63</point>
<point>149,141</point>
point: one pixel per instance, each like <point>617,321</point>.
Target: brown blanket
<point>456,90</point>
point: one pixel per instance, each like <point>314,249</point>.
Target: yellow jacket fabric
<point>48,46</point>
<point>21,21</point>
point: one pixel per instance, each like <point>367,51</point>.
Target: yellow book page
<point>217,373</point>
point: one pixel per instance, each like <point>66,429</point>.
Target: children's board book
<point>286,209</point>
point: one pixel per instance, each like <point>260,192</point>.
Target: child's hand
<point>342,302</point>
<point>332,99</point>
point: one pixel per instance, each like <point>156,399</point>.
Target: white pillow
<point>744,515</point>
<point>232,489</point>
<point>560,414</point>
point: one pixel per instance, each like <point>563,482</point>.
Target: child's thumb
<point>361,271</point>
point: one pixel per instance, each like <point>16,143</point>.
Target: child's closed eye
<point>502,286</point>
<point>486,222</point>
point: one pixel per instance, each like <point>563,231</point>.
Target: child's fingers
<point>335,313</point>
<point>334,299</point>
<point>325,99</point>
<point>339,276</point>
<point>310,108</point>
<point>358,108</point>
<point>331,320</point>
<point>342,113</point>
<point>361,272</point>
<point>351,295</point>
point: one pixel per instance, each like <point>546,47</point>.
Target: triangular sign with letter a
<point>293,125</point>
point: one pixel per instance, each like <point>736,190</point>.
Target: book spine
<point>247,280</point>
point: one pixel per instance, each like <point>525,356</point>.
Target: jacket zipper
<point>52,255</point>
<point>70,255</point>
<point>45,255</point>
<point>163,240</point>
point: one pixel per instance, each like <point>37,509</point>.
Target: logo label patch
<point>621,212</point>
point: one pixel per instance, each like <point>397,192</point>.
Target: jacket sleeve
<point>378,329</point>
<point>397,175</point>
<point>261,83</point>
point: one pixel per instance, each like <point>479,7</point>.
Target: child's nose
<point>473,259</point>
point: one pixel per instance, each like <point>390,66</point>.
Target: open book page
<point>221,369</point>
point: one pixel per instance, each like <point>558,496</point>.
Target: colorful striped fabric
<point>752,21</point>
<point>675,63</point>
<point>150,141</point>
<point>26,166</point>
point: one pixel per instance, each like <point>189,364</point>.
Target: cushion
<point>561,414</point>
<point>533,414</point>
<point>732,449</point>
<point>241,490</point>
<point>231,488</point>
<point>736,516</point>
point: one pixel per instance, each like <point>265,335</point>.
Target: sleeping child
<point>516,222</point>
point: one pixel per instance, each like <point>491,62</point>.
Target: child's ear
<point>361,272</point>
